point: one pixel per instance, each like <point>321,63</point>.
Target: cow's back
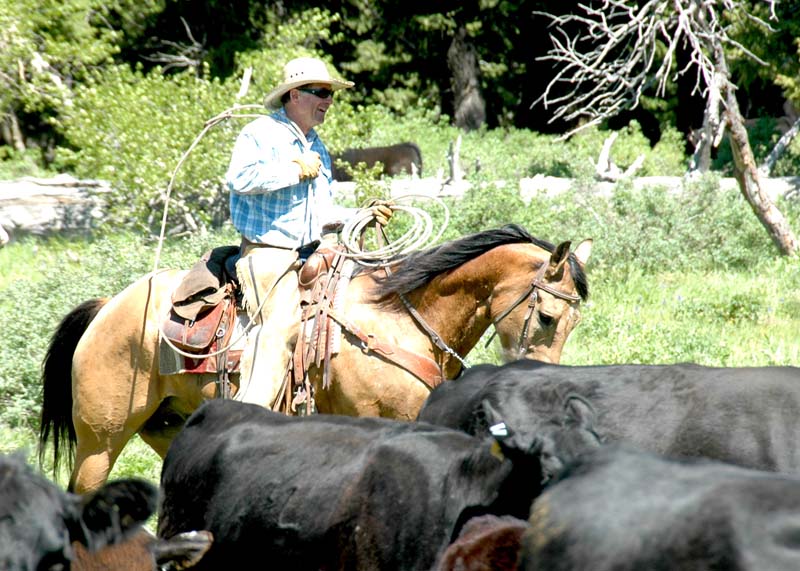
<point>625,510</point>
<point>455,402</point>
<point>744,415</point>
<point>323,491</point>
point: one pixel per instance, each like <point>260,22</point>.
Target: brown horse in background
<point>101,377</point>
<point>396,159</point>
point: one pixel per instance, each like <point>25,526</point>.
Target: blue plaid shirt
<point>269,204</point>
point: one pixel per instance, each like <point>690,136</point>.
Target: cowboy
<point>280,201</point>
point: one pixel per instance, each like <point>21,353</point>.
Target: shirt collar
<point>280,115</point>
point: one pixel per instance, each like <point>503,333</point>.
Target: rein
<point>423,368</point>
<point>532,295</point>
<point>437,340</point>
<point>435,337</point>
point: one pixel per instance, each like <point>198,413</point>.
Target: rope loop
<point>419,236</point>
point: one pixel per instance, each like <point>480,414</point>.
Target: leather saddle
<point>204,306</point>
<point>204,312</point>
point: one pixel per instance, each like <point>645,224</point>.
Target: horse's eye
<point>546,320</point>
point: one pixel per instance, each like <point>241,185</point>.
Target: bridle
<point>532,294</point>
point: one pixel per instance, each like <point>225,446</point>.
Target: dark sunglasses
<point>321,92</point>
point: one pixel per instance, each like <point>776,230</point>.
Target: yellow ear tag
<point>495,450</point>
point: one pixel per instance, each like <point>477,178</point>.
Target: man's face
<point>309,105</point>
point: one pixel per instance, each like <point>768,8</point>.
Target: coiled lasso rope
<point>417,237</point>
<point>225,115</point>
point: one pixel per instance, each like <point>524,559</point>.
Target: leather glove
<point>381,211</point>
<point>309,163</point>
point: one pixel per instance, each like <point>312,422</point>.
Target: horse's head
<point>541,305</point>
<point>528,288</point>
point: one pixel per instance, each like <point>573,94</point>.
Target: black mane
<point>421,267</point>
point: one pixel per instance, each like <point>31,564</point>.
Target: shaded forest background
<point>119,90</point>
<point>399,55</point>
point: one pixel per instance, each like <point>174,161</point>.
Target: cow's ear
<point>579,412</point>
<point>115,510</point>
<point>505,439</point>
<point>494,421</point>
<point>182,551</point>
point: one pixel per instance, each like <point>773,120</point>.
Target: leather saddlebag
<point>198,335</point>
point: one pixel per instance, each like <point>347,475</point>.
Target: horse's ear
<point>558,258</point>
<point>583,250</point>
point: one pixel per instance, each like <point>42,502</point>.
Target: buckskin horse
<point>435,304</point>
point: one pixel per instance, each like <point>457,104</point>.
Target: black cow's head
<point>553,441</point>
<point>532,454</point>
<point>39,521</point>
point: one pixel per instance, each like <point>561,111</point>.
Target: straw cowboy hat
<point>302,71</point>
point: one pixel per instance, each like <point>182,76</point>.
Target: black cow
<point>624,510</point>
<point>337,492</point>
<point>748,416</point>
<point>39,521</point>
<point>396,159</point>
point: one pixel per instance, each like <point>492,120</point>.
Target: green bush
<point>131,129</point>
<point>18,164</point>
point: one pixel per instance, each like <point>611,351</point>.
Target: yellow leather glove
<point>381,211</point>
<point>309,163</point>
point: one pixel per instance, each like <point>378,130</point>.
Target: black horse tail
<point>57,382</point>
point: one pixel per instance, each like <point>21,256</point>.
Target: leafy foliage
<point>132,128</point>
<point>47,47</point>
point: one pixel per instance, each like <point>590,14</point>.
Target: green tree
<point>46,49</point>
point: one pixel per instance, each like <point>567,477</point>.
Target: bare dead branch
<point>608,53</point>
<point>605,169</point>
<point>182,55</point>
<point>777,151</point>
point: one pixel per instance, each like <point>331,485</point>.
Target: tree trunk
<point>708,135</point>
<point>746,173</point>
<point>468,103</point>
<point>11,133</point>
